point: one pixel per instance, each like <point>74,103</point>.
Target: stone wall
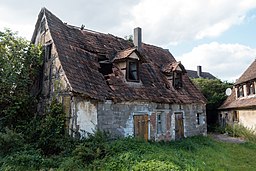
<point>117,118</point>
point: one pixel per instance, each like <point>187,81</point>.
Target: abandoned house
<point>240,106</point>
<point>200,74</point>
<point>112,84</point>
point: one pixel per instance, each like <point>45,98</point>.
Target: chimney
<point>137,38</point>
<point>199,71</point>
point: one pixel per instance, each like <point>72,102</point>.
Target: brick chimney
<point>137,38</point>
<point>199,71</point>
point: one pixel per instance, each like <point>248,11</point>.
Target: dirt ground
<point>227,138</point>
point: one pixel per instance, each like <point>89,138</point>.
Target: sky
<point>218,35</point>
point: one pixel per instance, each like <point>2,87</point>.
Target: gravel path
<point>227,138</point>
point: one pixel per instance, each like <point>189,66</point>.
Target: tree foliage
<point>19,65</point>
<point>213,90</point>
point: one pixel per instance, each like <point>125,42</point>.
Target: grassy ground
<point>196,153</point>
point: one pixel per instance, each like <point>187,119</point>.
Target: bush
<point>93,147</point>
<point>238,130</point>
<point>10,142</point>
<point>155,165</point>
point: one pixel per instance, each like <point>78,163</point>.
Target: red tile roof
<point>79,51</point>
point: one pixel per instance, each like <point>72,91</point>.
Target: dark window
<point>48,49</point>
<point>132,71</point>
<point>240,91</point>
<point>159,124</point>
<point>177,80</point>
<point>198,118</point>
<point>250,88</point>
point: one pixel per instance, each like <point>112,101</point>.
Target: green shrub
<point>155,165</point>
<point>238,130</point>
<point>93,147</point>
<point>23,160</point>
<point>10,142</point>
<point>71,164</point>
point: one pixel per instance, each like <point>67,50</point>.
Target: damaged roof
<point>79,51</point>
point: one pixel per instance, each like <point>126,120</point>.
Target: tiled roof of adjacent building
<point>245,102</point>
<point>79,51</point>
<point>248,75</point>
<point>193,74</point>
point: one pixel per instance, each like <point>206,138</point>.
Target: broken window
<point>240,91</point>
<point>160,122</point>
<point>132,72</point>
<point>47,51</point>
<point>250,88</point>
<point>177,80</point>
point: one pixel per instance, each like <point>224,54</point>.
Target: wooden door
<point>141,126</point>
<point>179,127</point>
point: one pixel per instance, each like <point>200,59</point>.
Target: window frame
<point>250,88</point>
<point>160,123</point>
<point>240,91</point>
<point>128,70</point>
<point>48,51</point>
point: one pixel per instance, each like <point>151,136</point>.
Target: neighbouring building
<point>125,88</point>
<point>240,106</point>
<point>200,74</point>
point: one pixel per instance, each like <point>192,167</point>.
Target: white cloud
<point>226,61</point>
<point>169,22</point>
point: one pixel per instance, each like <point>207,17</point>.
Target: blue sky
<point>219,35</point>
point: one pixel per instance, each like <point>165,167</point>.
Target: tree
<point>19,65</point>
<point>214,92</point>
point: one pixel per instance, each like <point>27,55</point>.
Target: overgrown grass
<point>238,130</point>
<point>196,153</point>
<point>99,153</point>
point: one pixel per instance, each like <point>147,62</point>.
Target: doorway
<point>179,126</point>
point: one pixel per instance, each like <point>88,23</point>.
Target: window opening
<point>160,123</point>
<point>198,119</point>
<point>132,71</point>
<point>235,116</point>
<point>177,81</point>
<point>250,88</point>
<point>240,91</point>
<point>48,49</point>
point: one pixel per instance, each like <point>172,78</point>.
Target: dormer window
<point>177,79</point>
<point>174,72</point>
<point>250,88</point>
<point>132,71</point>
